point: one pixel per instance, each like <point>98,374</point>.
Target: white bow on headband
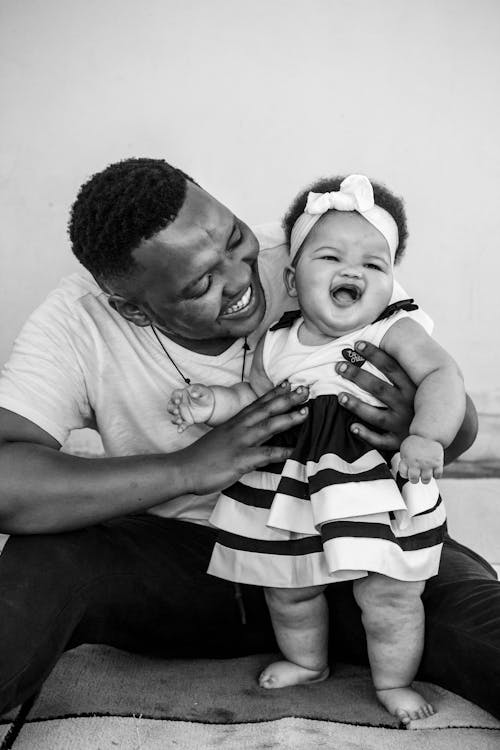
<point>355,194</point>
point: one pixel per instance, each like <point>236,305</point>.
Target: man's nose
<point>237,276</point>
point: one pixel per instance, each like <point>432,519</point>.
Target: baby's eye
<point>374,266</point>
<point>334,258</point>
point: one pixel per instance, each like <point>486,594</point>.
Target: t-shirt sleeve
<point>43,380</point>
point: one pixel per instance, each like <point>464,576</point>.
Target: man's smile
<point>241,304</point>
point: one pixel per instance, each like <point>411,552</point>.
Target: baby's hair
<point>117,208</point>
<point>393,204</point>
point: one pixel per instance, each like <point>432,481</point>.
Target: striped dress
<point>336,509</point>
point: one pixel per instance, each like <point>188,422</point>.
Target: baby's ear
<point>289,279</point>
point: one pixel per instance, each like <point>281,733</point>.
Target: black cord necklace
<point>237,588</point>
<point>246,348</point>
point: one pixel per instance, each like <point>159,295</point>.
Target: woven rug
<point>99,698</point>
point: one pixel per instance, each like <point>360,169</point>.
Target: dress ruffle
<point>334,511</point>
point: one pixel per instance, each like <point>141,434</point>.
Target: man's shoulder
<point>271,237</point>
<point>273,254</point>
<point>74,288</point>
<point>273,257</point>
<point>73,297</point>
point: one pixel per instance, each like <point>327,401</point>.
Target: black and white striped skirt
<point>334,511</point>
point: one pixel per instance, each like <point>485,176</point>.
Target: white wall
<point>255,98</point>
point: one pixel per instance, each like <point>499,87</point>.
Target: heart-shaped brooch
<point>353,357</point>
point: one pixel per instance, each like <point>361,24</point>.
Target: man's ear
<point>289,279</point>
<point>129,310</point>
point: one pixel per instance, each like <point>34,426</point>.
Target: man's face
<point>197,280</point>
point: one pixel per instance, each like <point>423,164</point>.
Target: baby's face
<point>343,278</point>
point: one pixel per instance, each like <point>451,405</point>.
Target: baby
<point>337,509</point>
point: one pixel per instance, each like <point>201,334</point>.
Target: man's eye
<point>207,283</point>
<point>236,238</point>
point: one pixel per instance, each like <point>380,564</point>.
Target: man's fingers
<point>270,426</point>
<point>374,415</point>
<point>385,392</point>
<point>385,363</point>
<point>385,441</point>
<point>279,389</point>
<point>279,401</point>
<point>271,454</point>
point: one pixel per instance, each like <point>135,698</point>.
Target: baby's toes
<point>403,716</point>
<point>266,680</point>
<point>417,713</point>
<point>429,710</point>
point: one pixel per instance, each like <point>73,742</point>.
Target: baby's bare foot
<point>285,673</point>
<point>405,704</point>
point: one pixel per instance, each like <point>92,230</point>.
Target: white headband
<point>355,194</point>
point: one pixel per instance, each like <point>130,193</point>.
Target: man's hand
<point>234,448</point>
<point>421,459</point>
<point>191,405</point>
<point>393,420</point>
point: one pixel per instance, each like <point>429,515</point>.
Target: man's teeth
<point>242,302</point>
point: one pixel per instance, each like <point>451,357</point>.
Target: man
<point>114,550</point>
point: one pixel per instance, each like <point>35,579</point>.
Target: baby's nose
<point>355,271</point>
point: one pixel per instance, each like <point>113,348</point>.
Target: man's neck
<point>209,347</point>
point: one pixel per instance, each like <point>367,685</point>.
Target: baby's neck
<point>313,338</point>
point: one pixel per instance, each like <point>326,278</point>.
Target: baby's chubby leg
<point>300,621</point>
<point>393,618</point>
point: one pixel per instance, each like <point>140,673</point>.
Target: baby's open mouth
<point>346,294</point>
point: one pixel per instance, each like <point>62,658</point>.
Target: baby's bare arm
<point>212,405</point>
<point>440,396</point>
<point>215,404</point>
<point>439,399</point>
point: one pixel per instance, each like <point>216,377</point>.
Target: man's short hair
<point>120,206</point>
<point>384,198</point>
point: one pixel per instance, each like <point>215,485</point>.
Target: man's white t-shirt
<point>77,363</point>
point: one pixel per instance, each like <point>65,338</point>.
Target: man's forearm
<point>466,434</point>
<point>43,490</point>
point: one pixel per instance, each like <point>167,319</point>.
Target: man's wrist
<point>188,474</point>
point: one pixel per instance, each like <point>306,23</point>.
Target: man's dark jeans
<point>139,584</point>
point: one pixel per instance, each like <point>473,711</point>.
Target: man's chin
<point>236,328</point>
<point>245,322</point>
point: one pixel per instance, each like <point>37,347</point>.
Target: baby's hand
<point>191,405</point>
<point>421,458</point>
